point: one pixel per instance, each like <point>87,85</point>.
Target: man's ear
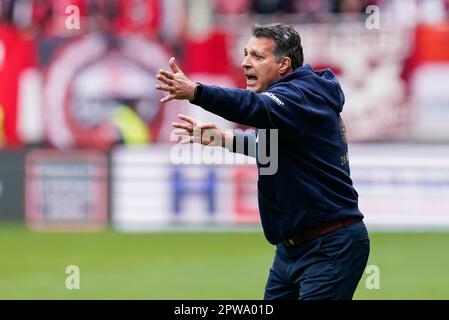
<point>286,65</point>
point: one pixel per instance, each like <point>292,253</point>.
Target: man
<point>308,207</point>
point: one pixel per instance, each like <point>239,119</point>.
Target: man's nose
<point>245,63</point>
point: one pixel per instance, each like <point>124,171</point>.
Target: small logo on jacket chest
<point>274,98</point>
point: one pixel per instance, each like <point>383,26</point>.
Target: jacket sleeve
<point>281,107</point>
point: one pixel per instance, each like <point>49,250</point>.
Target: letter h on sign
<point>183,186</point>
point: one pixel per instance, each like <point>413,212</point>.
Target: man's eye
<point>258,57</point>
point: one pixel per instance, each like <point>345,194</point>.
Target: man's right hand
<point>175,83</point>
<point>207,134</point>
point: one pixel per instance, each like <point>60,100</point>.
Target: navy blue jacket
<point>312,184</point>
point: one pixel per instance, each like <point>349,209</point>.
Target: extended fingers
<point>165,79</point>
<point>186,118</point>
<point>182,132</point>
<point>166,74</point>
<point>168,98</point>
<point>163,88</point>
<point>184,126</point>
<point>173,65</point>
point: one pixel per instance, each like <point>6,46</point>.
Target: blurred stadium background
<point>89,175</point>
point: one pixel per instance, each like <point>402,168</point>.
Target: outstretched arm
<point>275,109</point>
<point>208,134</point>
<point>194,131</point>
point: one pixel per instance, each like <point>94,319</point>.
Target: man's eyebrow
<point>253,51</point>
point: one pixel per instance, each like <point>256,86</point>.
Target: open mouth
<point>251,80</point>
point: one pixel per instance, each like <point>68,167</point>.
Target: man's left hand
<point>175,83</point>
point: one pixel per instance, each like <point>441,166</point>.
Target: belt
<point>313,233</point>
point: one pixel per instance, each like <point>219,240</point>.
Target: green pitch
<point>196,266</point>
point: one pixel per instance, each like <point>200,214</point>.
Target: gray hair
<point>286,39</point>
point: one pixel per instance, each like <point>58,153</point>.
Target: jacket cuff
<point>198,93</point>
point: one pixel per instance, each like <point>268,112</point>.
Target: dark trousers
<point>326,268</point>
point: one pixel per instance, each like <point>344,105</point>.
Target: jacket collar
<point>299,72</point>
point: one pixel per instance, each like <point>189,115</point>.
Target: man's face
<point>260,64</point>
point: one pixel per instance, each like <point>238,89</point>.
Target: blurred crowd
<point>147,16</point>
<point>172,22</point>
<point>33,33</point>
